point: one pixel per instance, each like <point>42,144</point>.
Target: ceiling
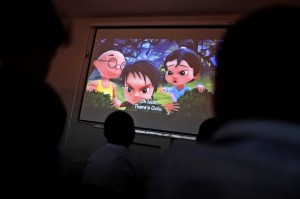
<point>143,8</point>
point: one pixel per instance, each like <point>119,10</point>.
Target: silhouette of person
<point>33,115</point>
<point>255,153</point>
<point>207,129</point>
<point>114,167</point>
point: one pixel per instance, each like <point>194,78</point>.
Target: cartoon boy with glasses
<point>110,65</point>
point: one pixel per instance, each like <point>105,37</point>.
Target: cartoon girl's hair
<point>190,56</point>
<point>144,68</point>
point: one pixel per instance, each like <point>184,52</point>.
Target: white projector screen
<point>160,107</point>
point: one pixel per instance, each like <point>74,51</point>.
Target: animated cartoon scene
<point>169,78</point>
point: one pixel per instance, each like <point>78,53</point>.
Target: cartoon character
<point>141,80</point>
<point>110,65</point>
<point>182,66</point>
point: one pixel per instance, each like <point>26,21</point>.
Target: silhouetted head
<point>30,38</point>
<point>119,128</point>
<point>257,74</point>
<point>207,129</point>
<point>31,31</point>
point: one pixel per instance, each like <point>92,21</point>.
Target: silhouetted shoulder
<point>257,65</point>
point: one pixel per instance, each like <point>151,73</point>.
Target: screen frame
<point>86,68</point>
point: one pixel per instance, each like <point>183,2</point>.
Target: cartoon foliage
<point>96,99</point>
<point>196,105</point>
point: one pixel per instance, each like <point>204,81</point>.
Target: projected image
<point>162,80</point>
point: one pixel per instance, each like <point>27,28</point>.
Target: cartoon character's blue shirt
<point>177,93</point>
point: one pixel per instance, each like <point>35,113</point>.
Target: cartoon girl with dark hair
<point>182,66</point>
